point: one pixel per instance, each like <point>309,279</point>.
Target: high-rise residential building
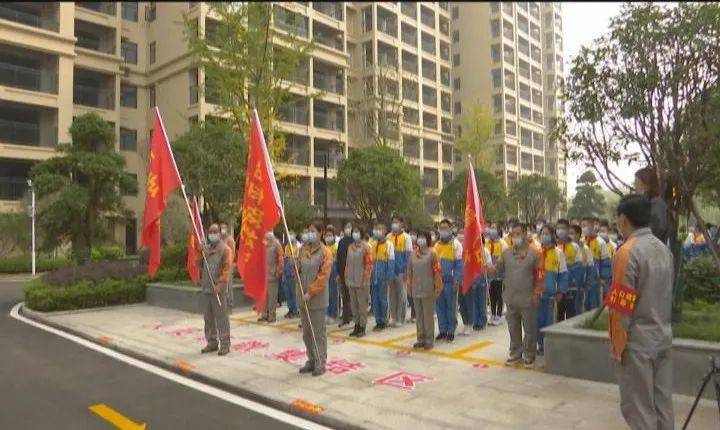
<point>507,56</point>
<point>119,59</point>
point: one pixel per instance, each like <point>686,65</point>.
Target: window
<point>456,36</point>
<point>538,141</point>
<point>368,53</point>
<point>456,83</point>
<point>539,163</point>
<point>446,125</point>
<point>152,96</point>
<point>430,121</point>
<point>509,54</point>
<point>524,91</point>
<point>458,107</point>
<point>495,28</point>
<point>537,117</point>
<point>130,191</point>
<point>498,127</point>
<point>129,51</point>
<point>525,112</point>
<point>150,12</point>
<point>456,60</point>
<point>128,139</point>
<point>429,70</point>
<point>445,101</point>
<point>525,137</point>
<point>446,174</point>
<point>510,104</point>
<point>151,50</point>
<point>194,82</point>
<point>130,11</point>
<point>411,116</point>
<point>500,154</point>
<point>455,12</point>
<point>429,96</point>
<point>509,79</point>
<point>430,151</point>
<point>128,95</point>
<point>411,147</point>
<point>496,78</point>
<point>495,53</point>
<point>445,76</point>
<point>526,161</point>
<point>497,103</point>
<point>447,153</point>
<point>367,19</point>
<point>511,155</point>
<point>510,128</point>
<point>410,90</point>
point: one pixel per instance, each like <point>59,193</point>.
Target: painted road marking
<point>399,338</point>
<point>182,380</point>
<point>471,348</point>
<point>402,380</point>
<point>115,418</point>
<point>183,365</point>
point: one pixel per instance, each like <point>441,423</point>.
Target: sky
<point>582,23</point>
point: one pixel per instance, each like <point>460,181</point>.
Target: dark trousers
<point>566,306</point>
<point>347,315</point>
<point>496,300</point>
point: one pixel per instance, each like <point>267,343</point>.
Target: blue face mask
<point>378,234</point>
<point>545,239</point>
<point>395,227</point>
<point>444,235</point>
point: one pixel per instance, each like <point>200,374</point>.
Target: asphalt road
<point>47,382</point>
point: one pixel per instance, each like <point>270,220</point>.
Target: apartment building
<point>508,57</point>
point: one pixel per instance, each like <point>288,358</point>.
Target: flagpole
<point>287,234</point>
<point>187,204</point>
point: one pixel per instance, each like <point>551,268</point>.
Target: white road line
<point>199,386</point>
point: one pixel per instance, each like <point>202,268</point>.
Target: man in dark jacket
<point>340,260</point>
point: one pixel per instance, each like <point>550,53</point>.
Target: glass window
<point>525,137</point>
<point>456,60</point>
<point>495,27</point>
<point>526,161</point>
<point>510,104</point>
<point>367,18</point>
<point>497,103</point>
<point>430,151</point>
<point>455,12</point>
<point>128,139</point>
<point>130,11</point>
<point>538,141</point>
<point>151,50</point>
<point>458,107</point>
<point>456,83</point>
<point>510,128</point>
<point>496,78</point>
<point>129,51</point>
<point>456,36</point>
<point>495,53</point>
<point>511,155</point>
<point>509,79</point>
<point>128,95</point>
<point>130,191</point>
<point>152,96</point>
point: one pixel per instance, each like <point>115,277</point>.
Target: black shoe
<point>288,315</point>
<point>319,371</point>
<point>209,348</point>
<point>355,331</point>
<point>419,345</point>
<point>361,332</point>
<point>441,336</point>
<point>379,327</point>
<point>261,319</point>
<point>224,350</point>
<point>343,323</point>
<point>450,337</point>
<point>529,363</point>
<point>307,368</point>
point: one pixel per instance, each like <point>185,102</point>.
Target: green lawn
<point>700,321</point>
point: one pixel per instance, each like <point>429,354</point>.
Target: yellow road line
<point>471,348</point>
<point>399,338</point>
<point>115,418</point>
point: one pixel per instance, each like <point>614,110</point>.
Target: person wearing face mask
<point>292,251</point>
<point>316,262</point>
<point>640,308</point>
<point>555,277</point>
<point>466,301</point>
<point>340,261</point>
<point>600,273</point>
<point>532,239</point>
<point>587,265</point>
<point>333,292</point>
<point>383,256</point>
<point>695,244</point>
<point>495,246</point>
<point>402,244</point>
<point>213,283</point>
<point>450,253</point>
<point>604,234</point>
<point>413,240</point>
<point>357,273</point>
<point>424,285</point>
<point>226,237</point>
<point>274,261</point>
<point>573,259</point>
<point>523,285</point>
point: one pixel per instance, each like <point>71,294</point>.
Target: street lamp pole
<point>32,222</point>
<point>325,181</point>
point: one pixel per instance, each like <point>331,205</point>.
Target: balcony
<point>409,35</point>
<point>387,22</point>
<point>331,149</point>
<point>411,147</point>
<point>430,121</point>
<point>290,22</point>
<point>106,7</point>
<point>427,16</point>
<point>328,78</point>
<point>27,125</point>
<point>429,96</point>
<point>445,76</point>
<point>329,116</point>
<point>444,51</point>
<point>387,55</point>
<point>40,15</point>
<point>409,62</point>
<point>297,150</point>
<point>328,36</point>
<point>409,9</point>
<point>94,89</point>
<point>444,26</point>
<point>428,70</point>
<point>28,70</point>
<point>295,112</point>
<point>331,9</point>
<point>95,37</point>
<point>427,43</point>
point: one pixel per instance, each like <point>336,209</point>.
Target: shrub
<point>23,264</point>
<point>107,252</point>
<point>45,298</point>
<point>94,271</point>
<point>702,280</point>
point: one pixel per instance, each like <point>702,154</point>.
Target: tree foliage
<point>477,127</point>
<point>376,182</point>
<point>212,158</point>
<point>537,197</point>
<point>647,92</point>
<point>15,233</point>
<point>298,211</point>
<point>79,190</point>
<point>492,193</point>
<point>589,199</point>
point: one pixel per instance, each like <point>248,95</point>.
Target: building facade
<point>508,58</point>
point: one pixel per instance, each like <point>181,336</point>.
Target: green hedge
<point>43,297</point>
<point>107,252</point>
<point>23,264</point>
<point>702,280</point>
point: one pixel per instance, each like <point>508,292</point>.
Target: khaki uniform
<point>315,265</point>
<point>358,265</point>
<point>217,323</point>
<point>230,242</point>
<point>424,285</point>
<point>644,337</point>
<point>274,261</point>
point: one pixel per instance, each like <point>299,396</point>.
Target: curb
<point>283,406</point>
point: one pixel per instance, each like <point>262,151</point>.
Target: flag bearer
<point>640,308</point>
<point>600,273</point>
<point>424,285</point>
<point>402,244</point>
<point>481,284</point>
<point>555,276</point>
<point>383,256</point>
<point>450,253</point>
<point>357,271</point>
<point>466,300</point>
<point>573,258</point>
<point>315,265</point>
<point>292,250</point>
<point>275,260</point>
<point>495,245</point>
<point>213,282</point>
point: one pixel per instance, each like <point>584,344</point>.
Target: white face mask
<point>356,236</point>
<point>348,231</point>
<point>518,241</point>
<point>421,242</point>
<point>329,240</point>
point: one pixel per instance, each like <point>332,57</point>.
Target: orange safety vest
<point>620,300</point>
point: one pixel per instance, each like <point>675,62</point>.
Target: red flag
<point>193,245</point>
<point>474,226</point>
<point>162,179</point>
<point>260,213</point>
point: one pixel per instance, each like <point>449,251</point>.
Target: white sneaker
<point>465,331</point>
<point>499,320</point>
<point>330,321</point>
<point>395,324</point>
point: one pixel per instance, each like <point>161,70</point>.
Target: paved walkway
<point>376,382</point>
